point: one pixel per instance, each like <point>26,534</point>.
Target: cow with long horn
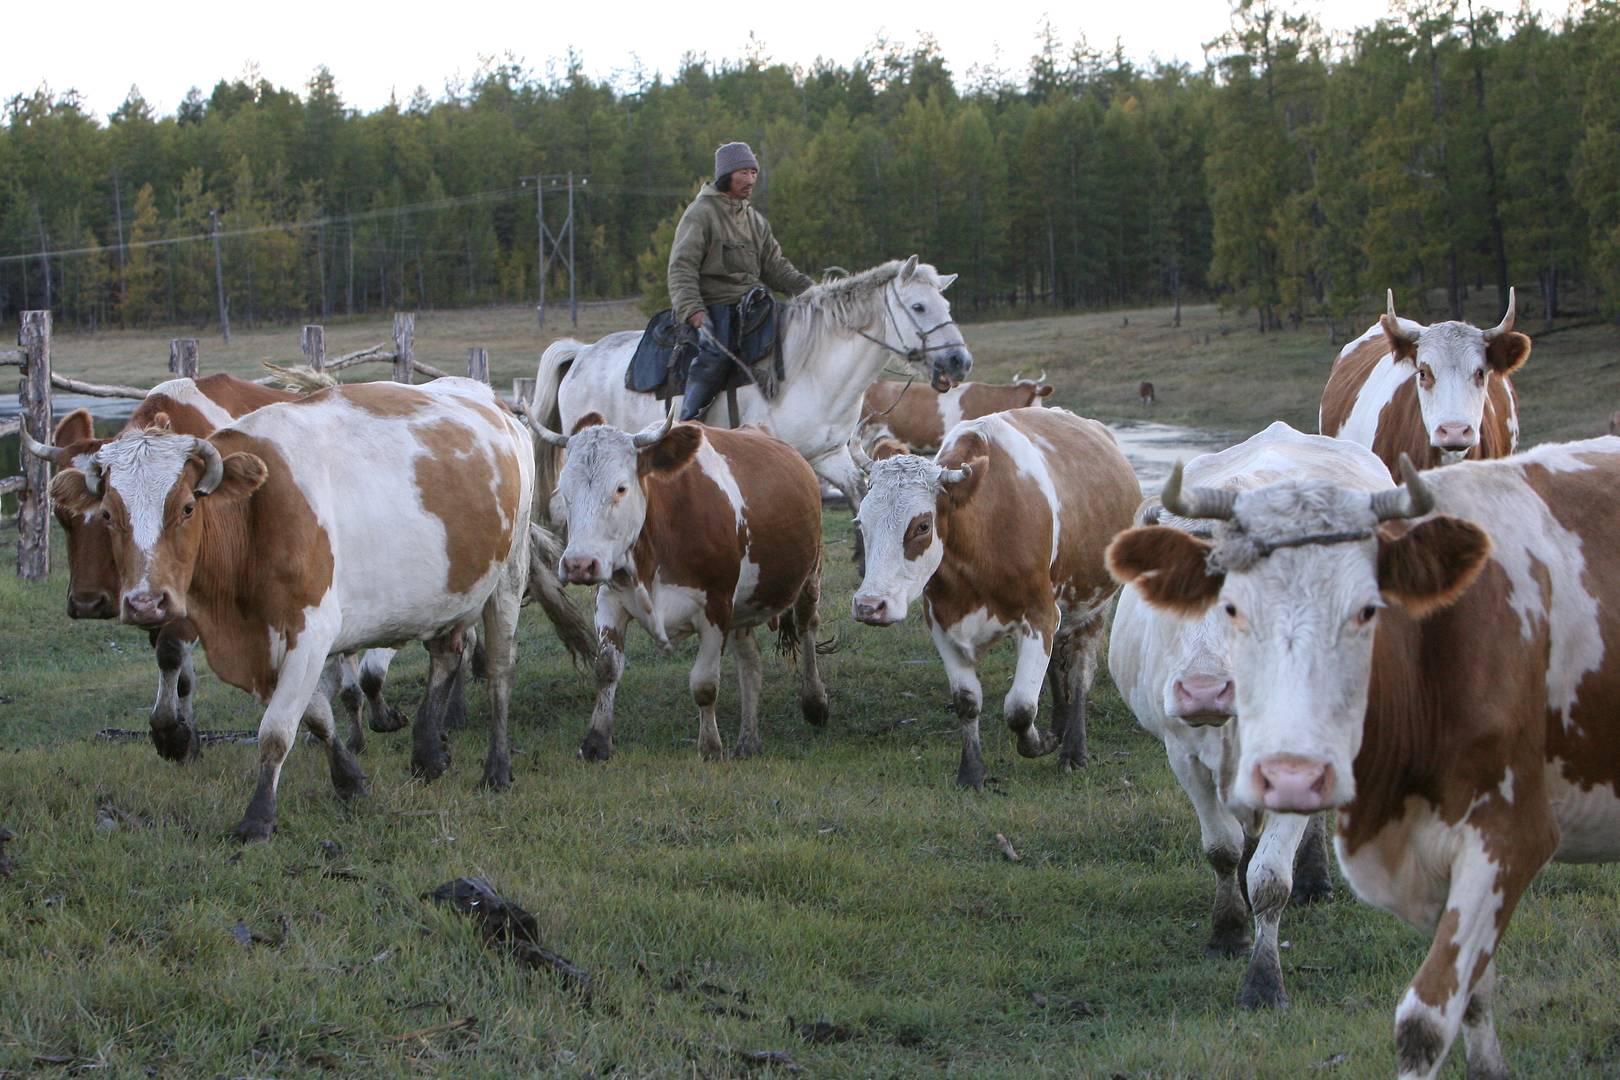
<point>692,530</point>
<point>1439,662</point>
<point>1438,393</point>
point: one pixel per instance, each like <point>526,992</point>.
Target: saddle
<point>748,329</point>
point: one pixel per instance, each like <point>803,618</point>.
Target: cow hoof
<point>746,747</point>
<point>596,747</point>
<point>712,751</point>
<point>1074,762</point>
<point>253,830</point>
<point>177,742</point>
<point>971,776</point>
<point>348,781</point>
<point>1262,997</point>
<point>1227,948</point>
<point>815,710</point>
<point>497,776</point>
<point>1311,891</point>
<point>1039,745</point>
<point>430,768</point>
<point>394,720</point>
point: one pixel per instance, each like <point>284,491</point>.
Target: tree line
<point>1294,177</point>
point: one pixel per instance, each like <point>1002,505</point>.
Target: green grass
<point>839,877</point>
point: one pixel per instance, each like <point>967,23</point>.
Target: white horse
<point>835,339</point>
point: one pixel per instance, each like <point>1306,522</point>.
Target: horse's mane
<point>848,303</point>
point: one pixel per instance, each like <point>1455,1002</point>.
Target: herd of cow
<point>1437,660</point>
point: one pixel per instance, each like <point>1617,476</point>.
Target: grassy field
<point>838,878</point>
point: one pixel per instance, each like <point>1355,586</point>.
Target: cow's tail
<point>554,364</point>
<point>573,628</point>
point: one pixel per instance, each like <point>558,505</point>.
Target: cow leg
<point>1271,881</point>
<point>1022,701</point>
<point>1079,672</point>
<point>381,717</point>
<point>1485,1060</point>
<point>966,700</point>
<point>1222,840</point>
<point>347,779</point>
<point>612,619</point>
<point>173,731</point>
<point>430,748</point>
<point>812,692</point>
<point>1313,879</point>
<point>353,700</point>
<point>750,676</point>
<point>499,641</point>
<point>296,682</point>
<point>455,698</point>
<point>705,684</point>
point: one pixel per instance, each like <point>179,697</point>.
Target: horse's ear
<point>945,281</point>
<point>908,269</point>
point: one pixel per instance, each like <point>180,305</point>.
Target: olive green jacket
<point>723,248</point>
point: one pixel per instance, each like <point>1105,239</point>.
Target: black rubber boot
<point>704,381</point>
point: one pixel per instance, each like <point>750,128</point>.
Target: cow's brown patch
<point>918,535</point>
<point>76,426</point>
<point>1508,352</point>
<point>1167,567</point>
<point>590,419</point>
<point>1436,981</point>
<point>387,399</point>
<point>1432,564</point>
<point>476,500</point>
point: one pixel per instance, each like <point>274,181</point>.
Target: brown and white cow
<point>692,529</point>
<point>1441,662</point>
<point>187,407</point>
<point>282,534</point>
<point>1003,533</point>
<point>1438,394</point>
<point>918,416</point>
<point>1176,676</point>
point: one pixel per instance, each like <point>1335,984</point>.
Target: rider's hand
<point>697,318</point>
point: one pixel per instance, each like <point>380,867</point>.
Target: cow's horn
<point>1395,320</point>
<point>56,455</point>
<point>1412,499</point>
<point>1507,320</point>
<point>213,465</point>
<point>652,434</point>
<point>858,452</point>
<point>547,436</point>
<point>947,477</point>
<point>1198,502</point>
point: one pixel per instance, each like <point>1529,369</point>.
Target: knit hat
<point>733,156</point>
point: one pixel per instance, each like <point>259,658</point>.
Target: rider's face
<point>743,181</point>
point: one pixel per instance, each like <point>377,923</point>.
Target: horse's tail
<point>554,364</point>
<point>301,379</point>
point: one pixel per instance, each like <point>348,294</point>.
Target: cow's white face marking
<point>601,491</point>
<point>1452,377</point>
<point>902,500</point>
<point>143,468</point>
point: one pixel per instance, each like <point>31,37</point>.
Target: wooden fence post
<point>183,357</point>
<point>478,364</point>
<point>34,396</point>
<point>313,341</point>
<point>522,390</point>
<point>404,335</point>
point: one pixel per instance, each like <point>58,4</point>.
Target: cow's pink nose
<point>1291,782</point>
<point>144,609</point>
<point>873,612</point>
<point>1202,697</point>
<point>1454,435</point>
<point>581,569</point>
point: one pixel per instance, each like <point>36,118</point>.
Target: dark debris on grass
<point>503,924</point>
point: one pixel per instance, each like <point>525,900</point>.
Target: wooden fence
<point>33,356</point>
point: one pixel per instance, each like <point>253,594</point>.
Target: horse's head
<point>921,318</point>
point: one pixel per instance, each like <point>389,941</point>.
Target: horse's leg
<point>840,470</point>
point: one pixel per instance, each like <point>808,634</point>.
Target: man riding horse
<point>723,251</point>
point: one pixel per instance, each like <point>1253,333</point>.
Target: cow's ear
<point>590,419</point>
<point>1508,352</point>
<point>672,453</point>
<point>243,475</point>
<point>1432,564</point>
<point>1044,390</point>
<point>70,493</point>
<point>1167,566</point>
<point>76,426</point>
<point>1402,346</point>
<point>960,491</point>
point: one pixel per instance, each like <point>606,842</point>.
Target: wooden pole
<point>522,390</point>
<point>34,396</point>
<point>183,357</point>
<point>478,364</point>
<point>404,335</point>
<point>219,281</point>
<point>313,341</point>
<point>573,299</point>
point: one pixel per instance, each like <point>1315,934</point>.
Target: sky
<point>101,48</point>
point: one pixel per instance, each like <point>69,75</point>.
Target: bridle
<point>917,355</point>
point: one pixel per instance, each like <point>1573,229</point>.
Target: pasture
<point>835,899</point>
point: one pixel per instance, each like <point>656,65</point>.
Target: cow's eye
<point>922,527</point>
<point>1426,377</point>
<point>621,489</point>
<point>1231,610</point>
<point>1366,614</point>
<point>106,515</point>
<point>188,508</point>
<point>1479,377</point>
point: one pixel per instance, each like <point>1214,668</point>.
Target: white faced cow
<point>1003,533</point>
<point>1439,661</point>
<point>282,537</point>
<point>1176,676</point>
<point>692,529</point>
<point>1437,393</point>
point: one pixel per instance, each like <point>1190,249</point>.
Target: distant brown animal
<point>1146,390</point>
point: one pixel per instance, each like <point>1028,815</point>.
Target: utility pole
<point>545,260</point>
<point>219,280</point>
<point>118,209</point>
